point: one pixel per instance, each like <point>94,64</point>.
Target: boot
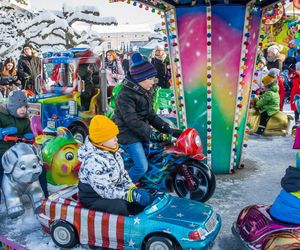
<point>260,130</point>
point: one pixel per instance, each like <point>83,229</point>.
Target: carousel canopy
<point>178,3</point>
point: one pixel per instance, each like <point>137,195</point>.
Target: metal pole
<point>103,87</point>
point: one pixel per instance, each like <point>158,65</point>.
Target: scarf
<point>162,58</point>
<point>112,65</point>
<point>113,150</point>
<point>272,58</point>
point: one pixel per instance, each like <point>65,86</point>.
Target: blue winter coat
<point>286,208</point>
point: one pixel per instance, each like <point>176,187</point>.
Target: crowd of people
<point>103,182</point>
<point>117,68</point>
<point>20,75</point>
<point>276,81</point>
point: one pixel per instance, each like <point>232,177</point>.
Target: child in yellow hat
<point>104,184</point>
<point>268,103</point>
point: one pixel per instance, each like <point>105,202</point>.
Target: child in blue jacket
<point>286,207</point>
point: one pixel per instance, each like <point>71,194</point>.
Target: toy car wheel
<point>159,243</point>
<point>204,182</point>
<point>63,234</point>
<point>79,133</point>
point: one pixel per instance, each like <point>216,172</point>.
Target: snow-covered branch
<point>49,28</point>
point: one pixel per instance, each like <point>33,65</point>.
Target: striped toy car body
<point>170,222</point>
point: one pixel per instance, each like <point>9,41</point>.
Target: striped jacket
<point>103,171</point>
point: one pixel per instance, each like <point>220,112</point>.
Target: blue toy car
<point>169,223</point>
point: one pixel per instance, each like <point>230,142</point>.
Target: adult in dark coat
<point>125,64</point>
<point>289,63</point>
<point>29,67</point>
<point>161,66</point>
<point>86,74</point>
<point>134,115</point>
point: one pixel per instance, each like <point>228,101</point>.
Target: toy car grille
<point>255,222</point>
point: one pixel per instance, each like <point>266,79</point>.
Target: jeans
<point>138,151</point>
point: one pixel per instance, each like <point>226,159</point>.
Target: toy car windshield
<point>60,74</point>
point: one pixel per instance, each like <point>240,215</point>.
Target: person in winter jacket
<point>114,70</point>
<point>104,184</point>
<point>29,67</point>
<point>134,114</point>
<point>289,63</point>
<point>86,74</point>
<point>160,64</point>
<point>268,102</point>
<point>295,76</point>
<point>9,80</point>
<point>275,73</point>
<point>286,206</point>
<point>125,63</point>
<point>9,68</point>
<point>14,114</point>
<point>273,57</point>
<point>260,72</point>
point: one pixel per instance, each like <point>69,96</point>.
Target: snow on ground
<point>265,161</point>
<point>258,182</point>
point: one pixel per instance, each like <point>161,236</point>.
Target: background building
<point>127,37</point>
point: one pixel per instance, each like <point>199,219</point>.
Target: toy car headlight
<point>198,141</point>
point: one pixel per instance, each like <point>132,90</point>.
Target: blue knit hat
<point>140,69</point>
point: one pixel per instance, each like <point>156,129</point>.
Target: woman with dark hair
<point>9,80</point>
<point>114,70</point>
<point>9,68</point>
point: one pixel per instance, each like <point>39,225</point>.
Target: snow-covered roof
<point>126,28</point>
<point>152,44</point>
<point>158,27</point>
<point>157,36</point>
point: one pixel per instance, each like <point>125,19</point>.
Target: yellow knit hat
<point>102,129</point>
<point>267,80</point>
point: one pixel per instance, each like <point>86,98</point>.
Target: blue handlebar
<point>29,136</point>
<point>7,131</point>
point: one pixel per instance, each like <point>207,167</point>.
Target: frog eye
<point>69,156</point>
<point>23,167</point>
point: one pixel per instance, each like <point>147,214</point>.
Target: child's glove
<point>141,196</point>
<point>159,137</point>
